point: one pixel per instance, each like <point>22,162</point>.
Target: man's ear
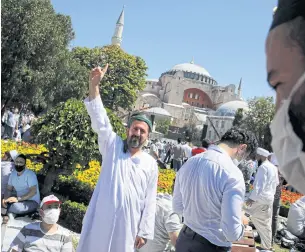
<point>40,212</point>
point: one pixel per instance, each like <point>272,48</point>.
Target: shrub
<point>73,189</point>
<point>72,215</point>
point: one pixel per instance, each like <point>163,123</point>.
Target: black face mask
<point>19,168</point>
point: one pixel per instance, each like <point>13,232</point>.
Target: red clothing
<point>196,151</point>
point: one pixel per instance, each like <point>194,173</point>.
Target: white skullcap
<point>262,152</point>
<point>273,160</point>
<point>14,154</point>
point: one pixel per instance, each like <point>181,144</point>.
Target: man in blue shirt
<point>209,193</point>
<point>25,183</point>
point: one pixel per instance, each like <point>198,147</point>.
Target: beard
<point>259,162</point>
<point>135,142</point>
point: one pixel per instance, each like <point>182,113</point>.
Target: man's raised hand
<point>96,75</point>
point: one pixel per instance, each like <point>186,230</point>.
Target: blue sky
<point>225,37</point>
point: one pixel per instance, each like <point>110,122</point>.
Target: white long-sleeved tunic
<point>124,201</point>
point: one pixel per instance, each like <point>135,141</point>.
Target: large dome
<point>190,67</point>
<point>230,108</point>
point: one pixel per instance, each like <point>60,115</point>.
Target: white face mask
<point>51,216</point>
<point>287,146</point>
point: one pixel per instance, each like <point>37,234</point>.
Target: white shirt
<point>209,193</point>
<point>187,150</point>
<point>166,222</point>
<point>123,204</point>
<point>296,217</point>
<point>265,183</point>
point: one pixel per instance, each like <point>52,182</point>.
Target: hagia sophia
<point>188,94</point>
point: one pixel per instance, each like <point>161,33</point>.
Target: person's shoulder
<point>63,231</point>
<point>30,227</point>
<point>30,173</point>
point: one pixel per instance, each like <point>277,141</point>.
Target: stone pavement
<point>12,228</point>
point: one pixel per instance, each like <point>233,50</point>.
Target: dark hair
<point>179,140</point>
<point>297,32</point>
<point>236,136</point>
<point>205,143</point>
<point>21,156</point>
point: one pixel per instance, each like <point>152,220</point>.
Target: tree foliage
<point>258,118</point>
<point>163,126</point>
<point>34,39</point>
<point>125,76</point>
<point>66,132</point>
<point>238,117</point>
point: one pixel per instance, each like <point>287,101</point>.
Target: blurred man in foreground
<point>285,51</point>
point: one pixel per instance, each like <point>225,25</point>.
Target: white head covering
<point>262,152</point>
<point>14,154</point>
<point>273,159</point>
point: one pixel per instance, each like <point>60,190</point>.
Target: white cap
<point>14,154</point>
<point>49,200</point>
<point>262,152</point>
<point>273,160</point>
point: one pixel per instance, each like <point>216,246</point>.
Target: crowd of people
<point>16,126</point>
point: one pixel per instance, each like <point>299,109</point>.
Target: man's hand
<point>96,75</point>
<point>249,202</point>
<point>11,200</point>
<point>140,242</point>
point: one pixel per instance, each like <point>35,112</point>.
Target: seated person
<point>296,218</point>
<point>167,226</point>
<point>25,183</point>
<point>7,166</point>
<point>45,235</point>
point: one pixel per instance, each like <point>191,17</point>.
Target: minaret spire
<point>239,88</point>
<point>118,32</point>
<point>192,62</point>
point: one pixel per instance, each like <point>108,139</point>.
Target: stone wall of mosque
<point>222,125</point>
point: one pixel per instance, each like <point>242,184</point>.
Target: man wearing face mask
<point>209,193</point>
<point>25,183</point>
<point>45,235</point>
<point>260,202</point>
<point>285,51</point>
<point>121,213</point>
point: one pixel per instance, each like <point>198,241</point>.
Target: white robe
<point>123,204</point>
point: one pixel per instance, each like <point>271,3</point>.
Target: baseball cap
<point>49,200</point>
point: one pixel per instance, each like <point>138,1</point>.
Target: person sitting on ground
<point>205,145</point>
<point>296,218</point>
<point>167,226</point>
<point>45,235</point>
<point>24,182</point>
<point>7,166</point>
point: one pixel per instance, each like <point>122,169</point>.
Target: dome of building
<point>191,67</point>
<point>230,108</point>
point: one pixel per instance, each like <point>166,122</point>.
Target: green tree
<point>124,79</point>
<point>162,126</point>
<point>66,131</point>
<point>238,117</point>
<point>32,40</point>
<point>258,117</point>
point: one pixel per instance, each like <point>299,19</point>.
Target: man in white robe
<point>260,202</point>
<point>121,213</point>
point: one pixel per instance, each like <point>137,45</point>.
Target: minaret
<point>239,89</point>
<point>117,36</point>
<point>192,62</point>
